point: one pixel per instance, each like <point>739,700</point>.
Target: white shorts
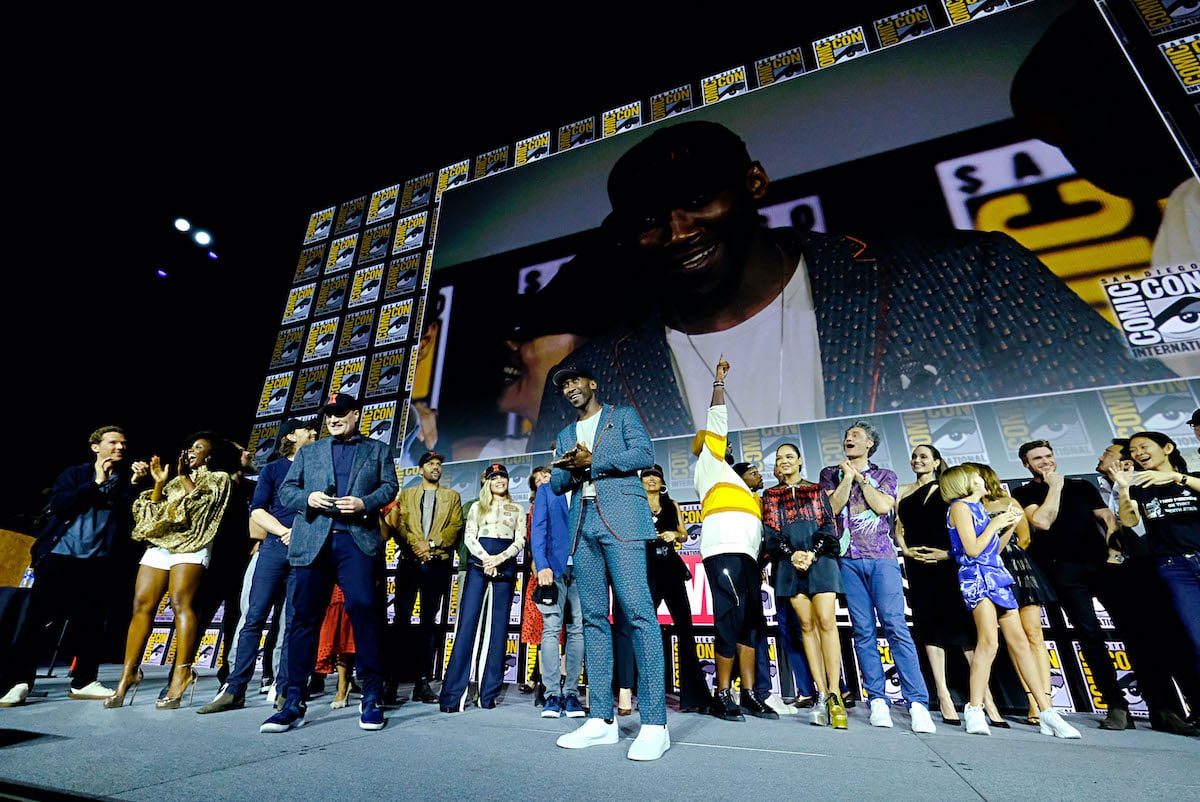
<point>158,557</point>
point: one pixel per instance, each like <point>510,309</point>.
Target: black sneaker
<point>539,699</point>
<point>265,685</point>
<point>423,693</point>
<point>725,708</point>
<point>290,717</point>
<point>370,715</point>
<point>753,704</point>
<point>315,686</point>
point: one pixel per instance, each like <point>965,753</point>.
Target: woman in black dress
<point>940,619</point>
<point>668,575</point>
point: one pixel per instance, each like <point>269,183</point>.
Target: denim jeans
<point>571,661</point>
<point>1182,575</point>
<point>874,587</point>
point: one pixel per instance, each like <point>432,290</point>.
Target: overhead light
<point>182,224</point>
<point>202,237</point>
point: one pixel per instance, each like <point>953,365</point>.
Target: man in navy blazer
<point>610,522</point>
<point>337,486</point>
<point>550,546</point>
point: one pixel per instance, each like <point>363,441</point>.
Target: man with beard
<point>828,325</point>
<point>597,462</point>
<point>428,523</point>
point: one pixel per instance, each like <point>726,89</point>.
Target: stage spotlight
<point>202,237</point>
<point>160,273</point>
<point>212,255</point>
<point>182,224</point>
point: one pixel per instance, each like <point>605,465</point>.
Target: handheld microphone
<point>331,490</point>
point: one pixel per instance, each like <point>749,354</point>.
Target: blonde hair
<point>992,490</point>
<point>486,496</point>
<point>956,482</point>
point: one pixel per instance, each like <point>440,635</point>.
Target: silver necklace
<point>782,321</point>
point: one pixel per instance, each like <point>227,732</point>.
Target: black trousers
<point>1076,584</point>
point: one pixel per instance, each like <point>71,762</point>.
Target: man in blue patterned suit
<point>827,325</point>
<point>600,456</point>
<point>338,486</point>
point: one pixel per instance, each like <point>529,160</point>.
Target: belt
<point>340,532</point>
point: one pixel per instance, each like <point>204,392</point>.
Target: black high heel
<point>172,702</point>
<point>118,697</point>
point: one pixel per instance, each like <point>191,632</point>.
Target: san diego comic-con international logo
<point>1158,310</point>
<point>1167,16</point>
<point>1183,56</point>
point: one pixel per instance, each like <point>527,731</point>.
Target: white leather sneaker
<point>1052,723</point>
<point>881,714</point>
<point>652,742</point>
<point>16,695</point>
<point>975,721</point>
<point>776,703</point>
<point>93,690</point>
<point>921,720</point>
<point>593,732</point>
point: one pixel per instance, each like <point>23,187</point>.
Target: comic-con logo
<point>417,192</point>
<point>723,85</point>
<point>1159,312</point>
<point>351,215</point>
<point>410,232</point>
<point>903,26</point>
<point>383,204</point>
<point>840,47</point>
<point>1159,407</point>
<point>491,162</point>
<point>1165,16</point>
<point>622,118</point>
<point>673,101</point>
<point>953,431</point>
<point>319,225</point>
<point>1184,57</point>
<point>533,148</point>
<point>1055,419</point>
<point>780,67</point>
<point>577,133</point>
<point>960,11</point>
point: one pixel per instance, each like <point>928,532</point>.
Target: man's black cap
<point>1195,419</point>
<point>740,468</point>
<point>674,165</point>
<point>429,455</point>
<point>292,424</point>
<point>568,371</point>
<point>340,403</point>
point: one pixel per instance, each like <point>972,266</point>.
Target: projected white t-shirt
<point>775,359</point>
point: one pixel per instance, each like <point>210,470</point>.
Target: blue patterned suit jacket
<point>956,318</point>
<point>372,478</point>
<point>621,449</point>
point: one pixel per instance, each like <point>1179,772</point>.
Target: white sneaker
<point>16,695</point>
<point>1052,723</point>
<point>652,742</point>
<point>776,703</point>
<point>881,713</point>
<point>921,720</point>
<point>975,721</point>
<point>593,732</point>
<point>93,690</point>
<point>272,694</point>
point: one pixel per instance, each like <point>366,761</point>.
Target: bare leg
<point>811,637</point>
<point>745,657</point>
<point>184,582</point>
<point>989,703</point>
<point>149,587</point>
<point>986,646</point>
<point>1031,623</point>
<point>1022,657</point>
<point>937,665</point>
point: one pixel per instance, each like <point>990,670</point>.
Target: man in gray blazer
<point>610,522</point>
<point>338,486</point>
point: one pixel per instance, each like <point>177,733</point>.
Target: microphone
<point>331,490</point>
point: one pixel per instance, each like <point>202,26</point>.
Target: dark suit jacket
<point>621,449</point>
<point>372,478</point>
<point>956,318</point>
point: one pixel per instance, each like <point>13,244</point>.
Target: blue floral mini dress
<point>984,576</point>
